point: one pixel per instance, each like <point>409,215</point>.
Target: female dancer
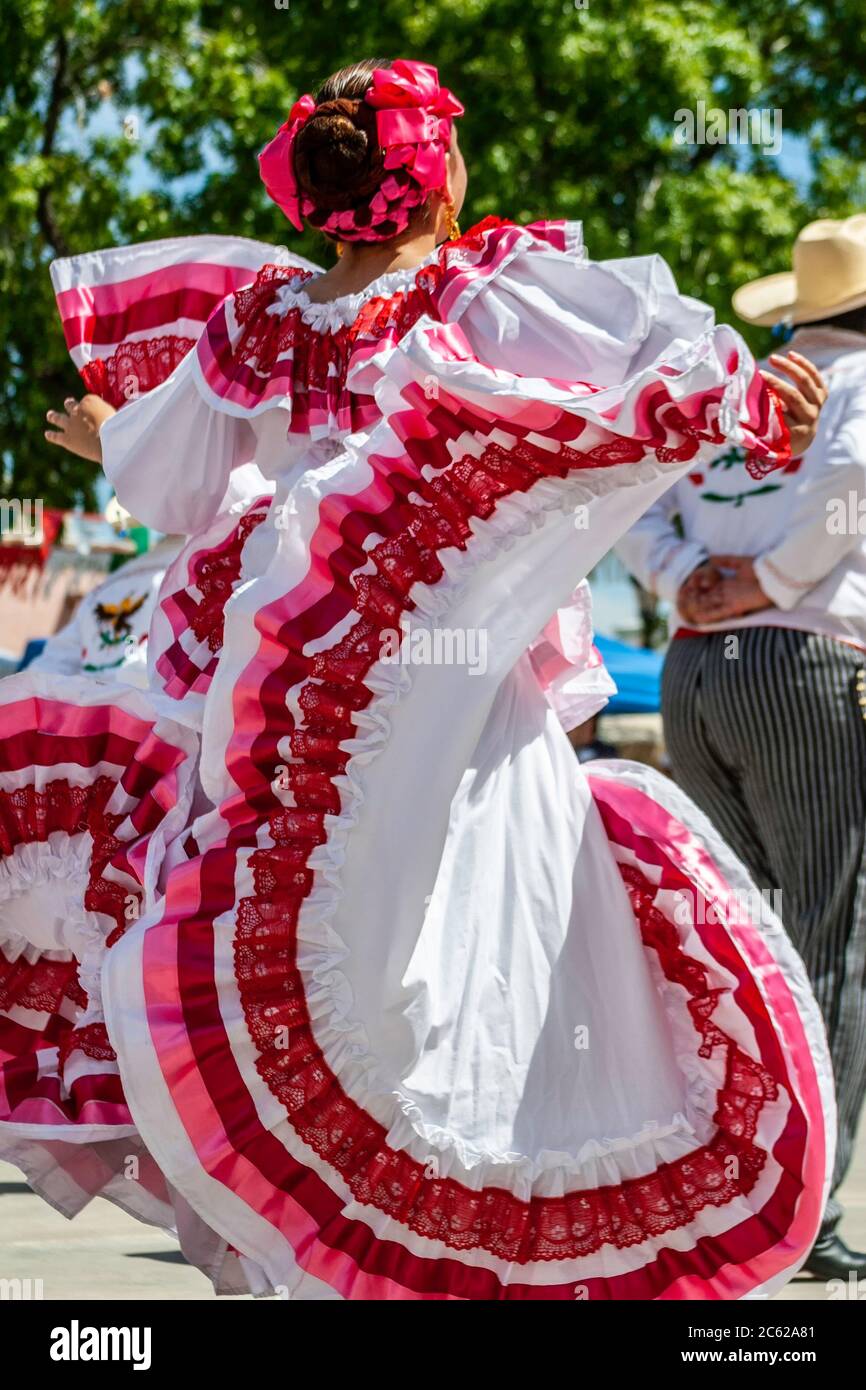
<point>423,1011</point>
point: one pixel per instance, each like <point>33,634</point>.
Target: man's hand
<point>802,397</point>
<point>701,583</point>
<point>737,593</point>
<point>77,426</point>
<point>724,587</point>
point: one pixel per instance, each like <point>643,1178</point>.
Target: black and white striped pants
<point>767,735</point>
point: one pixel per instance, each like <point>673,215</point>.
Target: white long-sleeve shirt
<point>805,525</point>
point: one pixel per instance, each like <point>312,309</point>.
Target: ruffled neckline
<point>268,345</point>
<point>343,310</point>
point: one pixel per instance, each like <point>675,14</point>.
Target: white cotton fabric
<point>150,435</point>
<point>541,314</point>
<point>467,921</point>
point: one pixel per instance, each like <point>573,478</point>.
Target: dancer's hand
<point>77,426</point>
<point>802,397</point>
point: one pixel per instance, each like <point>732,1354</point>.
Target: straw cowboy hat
<point>829,277</point>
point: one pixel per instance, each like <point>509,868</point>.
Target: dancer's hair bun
<point>338,162</point>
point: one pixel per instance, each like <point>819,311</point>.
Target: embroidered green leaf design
<point>738,498</point>
<point>728,459</point>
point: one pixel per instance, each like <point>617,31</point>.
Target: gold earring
<point>452,226</point>
<point>338,247</point>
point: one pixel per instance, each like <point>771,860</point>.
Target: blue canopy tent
<point>637,674</point>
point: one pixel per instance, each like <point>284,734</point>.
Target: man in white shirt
<point>764,688</point>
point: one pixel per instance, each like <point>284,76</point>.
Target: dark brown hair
<point>338,162</point>
<point>337,159</point>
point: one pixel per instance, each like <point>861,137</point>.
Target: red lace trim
<point>271,988</point>
<point>41,985</point>
<point>258,343</point>
<point>215,573</point>
<point>321,359</point>
<point>28,816</point>
<point>92,1040</point>
<point>135,368</point>
<point>545,1228</point>
<point>758,467</point>
<point>693,438</point>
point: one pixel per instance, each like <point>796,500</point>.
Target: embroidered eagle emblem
<point>115,619</point>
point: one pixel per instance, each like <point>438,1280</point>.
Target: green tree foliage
<point>570,112</point>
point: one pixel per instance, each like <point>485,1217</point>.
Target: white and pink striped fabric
<point>130,314</point>
<point>567,664</point>
<point>93,787</point>
<point>423,1012</point>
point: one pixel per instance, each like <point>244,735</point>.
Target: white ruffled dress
<point>425,1011</point>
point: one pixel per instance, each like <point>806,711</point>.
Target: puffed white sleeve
<point>527,314</point>
<point>550,314</point>
<point>169,454</point>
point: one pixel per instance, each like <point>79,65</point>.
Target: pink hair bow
<point>413,119</point>
<point>413,124</point>
<point>276,165</point>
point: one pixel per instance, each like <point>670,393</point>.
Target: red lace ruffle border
<point>135,368</point>
<point>442,1209</point>
<point>41,985</point>
<point>271,988</point>
<point>28,816</point>
<point>214,573</point>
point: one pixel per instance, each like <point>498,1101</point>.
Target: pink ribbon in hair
<point>413,123</point>
<point>413,119</point>
<point>276,165</point>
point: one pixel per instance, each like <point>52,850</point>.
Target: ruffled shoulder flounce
<point>268,345</point>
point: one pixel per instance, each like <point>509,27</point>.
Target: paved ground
<point>104,1254</point>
